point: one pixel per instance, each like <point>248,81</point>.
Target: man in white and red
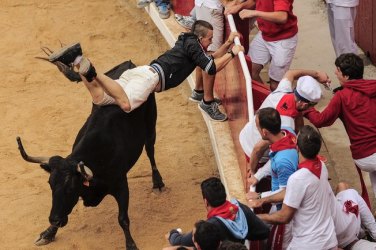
<point>308,197</point>
<point>277,39</point>
<point>351,215</point>
<point>355,104</point>
<point>289,103</point>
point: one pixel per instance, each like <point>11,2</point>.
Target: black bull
<point>109,144</point>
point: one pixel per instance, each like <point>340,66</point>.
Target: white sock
<point>77,60</point>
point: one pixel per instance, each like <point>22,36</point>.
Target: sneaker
<point>212,111</point>
<point>197,97</point>
<point>87,69</point>
<point>163,10</point>
<point>143,3</point>
<point>185,21</point>
<point>67,54</point>
<point>68,72</point>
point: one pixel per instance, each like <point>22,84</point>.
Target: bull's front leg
<point>122,198</point>
<point>46,236</point>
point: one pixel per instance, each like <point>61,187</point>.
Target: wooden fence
<point>365,28</point>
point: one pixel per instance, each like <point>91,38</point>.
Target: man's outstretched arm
<point>320,76</point>
<point>283,216</point>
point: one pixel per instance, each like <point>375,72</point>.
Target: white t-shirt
<point>365,218</point>
<point>313,226</point>
<point>249,135</point>
<point>211,4</point>
<point>347,225</point>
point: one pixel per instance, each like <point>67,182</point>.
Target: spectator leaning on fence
<point>212,12</point>
<point>277,39</point>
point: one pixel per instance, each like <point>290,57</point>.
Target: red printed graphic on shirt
<point>286,106</point>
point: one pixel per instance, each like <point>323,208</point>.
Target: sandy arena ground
<point>46,110</point>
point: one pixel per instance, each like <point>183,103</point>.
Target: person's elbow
<point>125,106</point>
<point>285,220</point>
<point>282,17</point>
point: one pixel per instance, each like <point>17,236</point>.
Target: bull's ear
<point>46,167</point>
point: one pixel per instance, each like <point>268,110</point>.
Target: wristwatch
<point>231,53</point>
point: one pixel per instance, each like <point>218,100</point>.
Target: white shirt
<point>344,3</point>
<point>313,226</point>
<point>347,225</point>
<point>211,4</point>
<point>365,218</point>
<point>249,135</point>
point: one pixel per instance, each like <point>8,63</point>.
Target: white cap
<point>308,88</point>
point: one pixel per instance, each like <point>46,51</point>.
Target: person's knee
<point>342,186</point>
<point>273,84</point>
<point>256,69</point>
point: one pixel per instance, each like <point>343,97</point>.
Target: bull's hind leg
<point>157,178</point>
<point>122,198</point>
<point>151,120</point>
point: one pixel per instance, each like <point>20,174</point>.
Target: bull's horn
<point>85,171</point>
<point>40,160</point>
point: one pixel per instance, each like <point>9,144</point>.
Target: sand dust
<point>46,110</point>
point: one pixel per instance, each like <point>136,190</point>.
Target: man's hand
<point>167,236</point>
<point>252,195</point>
<point>324,79</point>
<point>248,14</point>
<point>231,37</point>
<point>255,203</point>
<point>237,48</point>
<point>252,181</point>
<point>232,8</point>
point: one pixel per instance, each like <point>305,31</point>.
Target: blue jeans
<point>162,2</point>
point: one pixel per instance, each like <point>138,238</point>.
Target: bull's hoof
<point>43,241</point>
<point>46,236</point>
<point>131,246</point>
<point>160,186</point>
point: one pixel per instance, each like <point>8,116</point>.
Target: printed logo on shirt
<point>286,106</point>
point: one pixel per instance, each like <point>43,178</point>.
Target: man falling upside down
<point>167,71</point>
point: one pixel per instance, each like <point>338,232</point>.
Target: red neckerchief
<point>351,207</point>
<point>314,166</point>
<point>287,142</point>
<point>225,211</point>
<point>287,106</point>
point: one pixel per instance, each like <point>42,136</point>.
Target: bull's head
<point>66,180</point>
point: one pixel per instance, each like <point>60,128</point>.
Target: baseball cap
<point>308,89</point>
